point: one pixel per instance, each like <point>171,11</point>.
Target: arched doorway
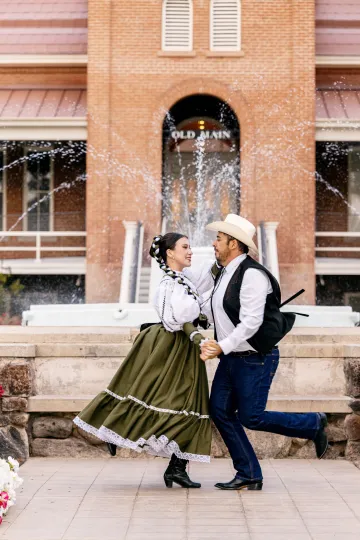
<point>201,165</point>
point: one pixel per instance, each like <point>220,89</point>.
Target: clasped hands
<point>209,349</point>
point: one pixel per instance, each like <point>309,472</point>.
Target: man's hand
<point>204,357</point>
<point>210,349</point>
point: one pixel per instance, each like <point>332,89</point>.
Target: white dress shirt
<point>254,289</point>
<point>174,305</point>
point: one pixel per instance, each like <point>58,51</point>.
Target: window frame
<point>191,30</point>
<point>352,149</point>
<point>4,190</point>
<point>224,49</point>
<point>26,191</point>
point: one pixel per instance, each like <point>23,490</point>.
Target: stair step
<point>335,404</point>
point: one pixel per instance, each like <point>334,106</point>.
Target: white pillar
<point>128,259</point>
<point>271,248</point>
<point>259,244</point>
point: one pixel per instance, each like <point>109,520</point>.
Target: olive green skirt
<point>158,401</point>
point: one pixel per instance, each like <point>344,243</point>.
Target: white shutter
<point>225,25</point>
<point>177,25</point>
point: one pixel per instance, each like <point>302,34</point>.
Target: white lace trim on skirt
<point>186,413</point>
<point>157,446</point>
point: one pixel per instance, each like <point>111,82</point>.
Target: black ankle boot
<point>321,439</point>
<point>176,472</point>
<point>112,448</point>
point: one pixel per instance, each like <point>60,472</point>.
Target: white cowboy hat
<point>238,227</point>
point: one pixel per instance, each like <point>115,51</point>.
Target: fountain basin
<point>124,315</point>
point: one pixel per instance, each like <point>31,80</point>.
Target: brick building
<point>273,86</point>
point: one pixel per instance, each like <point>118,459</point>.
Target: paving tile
<point>15,511</point>
<point>91,507</point>
<point>277,526</point>
<point>44,519</point>
<point>210,536</point>
<point>335,536</point>
<point>4,527</point>
<point>82,528</point>
<point>281,536</point>
<point>62,490</point>
<point>153,535</point>
<point>219,530</point>
<point>351,525</point>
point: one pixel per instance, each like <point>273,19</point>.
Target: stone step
<point>56,349</point>
<point>82,350</point>
<point>335,404</point>
<point>71,334</point>
<point>110,335</point>
<point>316,350</point>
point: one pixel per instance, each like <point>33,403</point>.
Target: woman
<point>158,399</point>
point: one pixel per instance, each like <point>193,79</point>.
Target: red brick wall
<point>271,89</point>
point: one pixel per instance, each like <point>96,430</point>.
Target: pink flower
<point>2,391</point>
<point>0,520</point>
<point>4,497</point>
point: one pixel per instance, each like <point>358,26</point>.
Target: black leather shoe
<point>112,448</point>
<point>176,472</point>
<point>321,439</point>
<point>237,483</point>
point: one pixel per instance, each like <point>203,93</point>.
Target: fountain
<point>201,183</point>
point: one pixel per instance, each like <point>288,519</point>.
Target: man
<point>245,307</point>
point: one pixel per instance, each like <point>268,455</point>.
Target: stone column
<point>352,421</point>
<point>271,248</point>
<point>17,380</point>
<point>128,260</point>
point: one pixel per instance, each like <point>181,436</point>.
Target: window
<point>225,25</point>
<point>38,187</point>
<point>352,299</point>
<point>177,25</point>
<point>2,191</point>
<point>354,190</point>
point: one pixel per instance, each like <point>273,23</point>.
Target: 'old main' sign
<point>206,134</point>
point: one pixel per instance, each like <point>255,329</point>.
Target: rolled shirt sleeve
<point>253,293</point>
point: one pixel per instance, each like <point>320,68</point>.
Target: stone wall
<point>352,421</point>
<point>17,380</point>
<point>54,435</point>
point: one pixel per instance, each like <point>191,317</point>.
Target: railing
<point>39,248</point>
<point>336,234</point>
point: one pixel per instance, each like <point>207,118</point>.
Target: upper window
<point>39,179</point>
<point>225,25</point>
<point>177,25</point>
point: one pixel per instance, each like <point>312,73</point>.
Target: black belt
<point>242,353</point>
<point>246,353</point>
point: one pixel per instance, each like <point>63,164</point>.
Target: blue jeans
<point>238,398</point>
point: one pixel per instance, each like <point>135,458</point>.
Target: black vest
<point>275,325</point>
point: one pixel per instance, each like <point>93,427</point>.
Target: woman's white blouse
<point>174,305</point>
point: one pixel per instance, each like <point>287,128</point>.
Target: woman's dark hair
<point>168,241</point>
<point>159,247</point>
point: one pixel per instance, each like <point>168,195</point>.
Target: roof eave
<point>33,60</point>
<point>337,61</point>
